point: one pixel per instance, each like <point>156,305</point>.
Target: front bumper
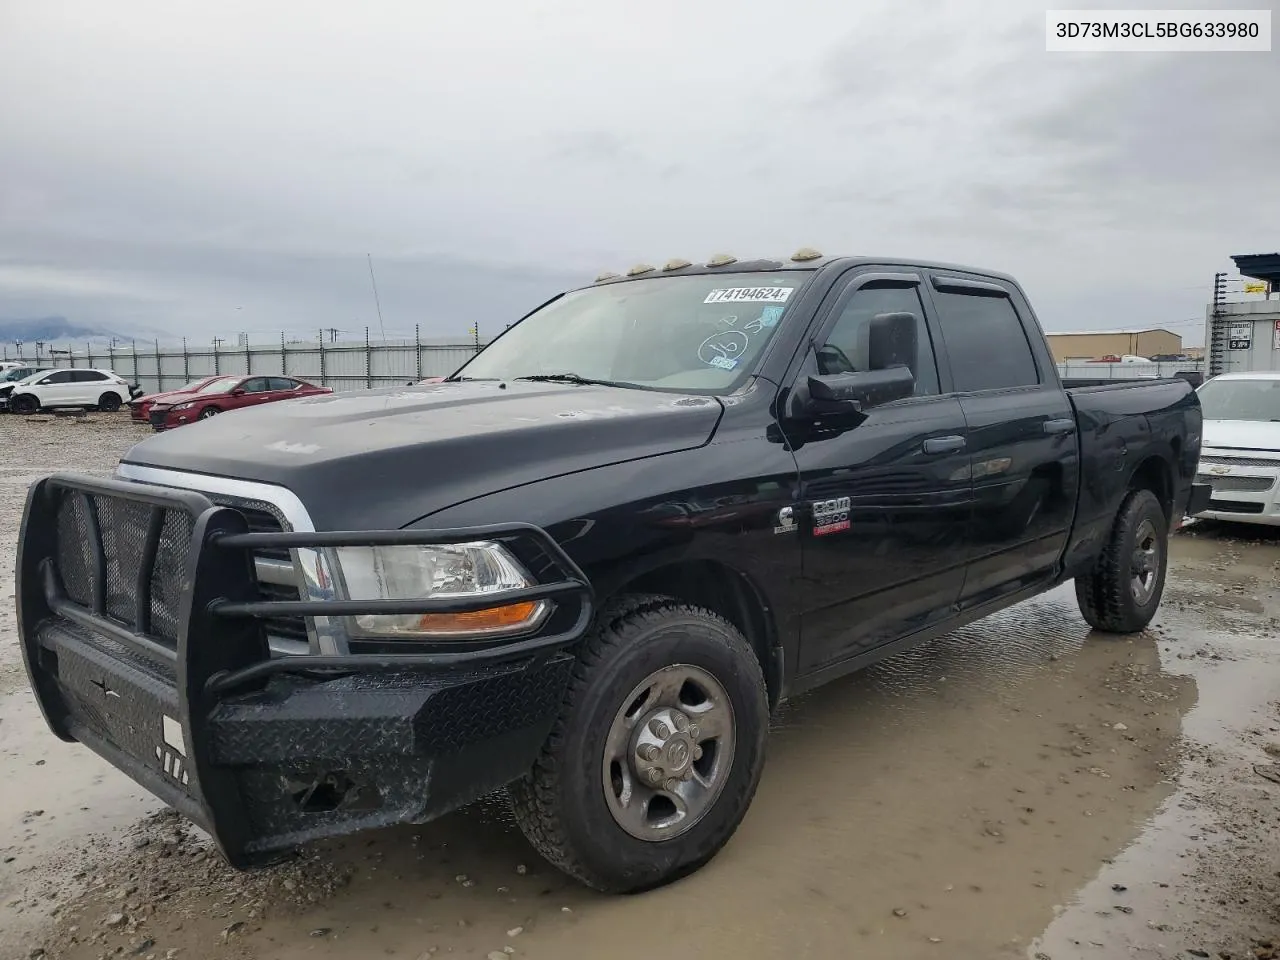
<point>1245,488</point>
<point>266,753</point>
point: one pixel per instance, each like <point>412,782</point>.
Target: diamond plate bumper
<point>266,753</point>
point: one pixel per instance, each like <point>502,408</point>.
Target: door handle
<point>935,445</point>
<point>1054,427</point>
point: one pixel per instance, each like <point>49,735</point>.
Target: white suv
<point>100,389</point>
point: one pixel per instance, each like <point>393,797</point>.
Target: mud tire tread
<point>1103,593</point>
<point>534,801</point>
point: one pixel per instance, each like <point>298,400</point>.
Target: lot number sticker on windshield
<point>749,295</point>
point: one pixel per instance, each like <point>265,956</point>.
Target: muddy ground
<point>1021,788</point>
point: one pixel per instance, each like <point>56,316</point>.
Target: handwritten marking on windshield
<point>726,345</point>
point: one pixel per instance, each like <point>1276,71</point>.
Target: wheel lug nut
<point>682,722</point>
<point>694,731</point>
<point>660,729</point>
<point>671,785</point>
<point>649,752</point>
<point>697,753</point>
<point>688,774</point>
<point>654,774</point>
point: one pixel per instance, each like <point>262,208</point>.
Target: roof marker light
<point>806,253</point>
<point>607,276</point>
<point>722,260</point>
<point>638,269</point>
<point>676,264</point>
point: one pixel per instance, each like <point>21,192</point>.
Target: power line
<point>376,303</point>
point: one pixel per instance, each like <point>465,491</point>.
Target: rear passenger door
<point>89,385</point>
<point>1020,433</point>
<point>282,387</point>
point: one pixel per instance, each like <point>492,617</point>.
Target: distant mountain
<point>49,329</point>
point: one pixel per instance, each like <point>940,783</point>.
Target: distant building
<point>1092,344</point>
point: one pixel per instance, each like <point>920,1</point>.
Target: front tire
<point>657,752</point>
<point>24,404</point>
<point>1122,592</point>
<point>208,412</point>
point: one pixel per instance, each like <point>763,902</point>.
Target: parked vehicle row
<point>587,565</point>
<point>27,390</point>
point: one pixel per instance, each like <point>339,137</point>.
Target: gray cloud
<point>201,169</point>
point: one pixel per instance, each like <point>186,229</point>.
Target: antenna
<point>374,282</point>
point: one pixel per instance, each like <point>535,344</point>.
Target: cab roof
<point>811,261</point>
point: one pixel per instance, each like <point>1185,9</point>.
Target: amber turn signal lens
<point>488,620</point>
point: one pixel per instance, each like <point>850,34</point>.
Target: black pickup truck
<point>587,565</point>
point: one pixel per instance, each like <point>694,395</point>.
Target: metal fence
<point>341,365</point>
<point>1093,370</point>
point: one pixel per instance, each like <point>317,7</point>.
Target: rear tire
<point>667,703</point>
<point>24,404</point>
<point>109,402</point>
<point>1122,592</point>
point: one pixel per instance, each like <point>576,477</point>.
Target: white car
<point>70,387</point>
<point>1240,449</point>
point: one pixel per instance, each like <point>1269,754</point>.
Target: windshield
<point>219,386</point>
<point>1241,400</point>
<point>17,373</point>
<point>695,333</point>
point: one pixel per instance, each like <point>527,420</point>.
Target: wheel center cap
<point>677,755</point>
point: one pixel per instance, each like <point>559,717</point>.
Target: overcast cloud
<point>214,167</point>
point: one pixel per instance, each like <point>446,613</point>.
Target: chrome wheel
<point>668,752</point>
<point>1144,569</point>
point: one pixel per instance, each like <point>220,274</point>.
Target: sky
<point>200,169</point>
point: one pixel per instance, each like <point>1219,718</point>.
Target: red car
<point>140,409</point>
<point>229,393</point>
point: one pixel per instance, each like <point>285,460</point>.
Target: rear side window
<point>986,341</point>
<point>88,376</point>
<point>280,383</point>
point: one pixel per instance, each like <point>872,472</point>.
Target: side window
<point>281,383</point>
<point>87,376</point>
<point>255,385</point>
<point>986,341</point>
<point>61,376</point>
<point>856,344</point>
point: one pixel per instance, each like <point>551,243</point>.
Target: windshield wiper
<point>570,378</point>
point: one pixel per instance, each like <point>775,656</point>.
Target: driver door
<point>57,388</point>
<point>256,390</point>
<point>887,502</point>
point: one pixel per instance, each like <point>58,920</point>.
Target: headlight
<point>443,571</point>
<point>183,406</point>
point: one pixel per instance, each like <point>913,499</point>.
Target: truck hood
<point>385,458</point>
<point>1241,435</point>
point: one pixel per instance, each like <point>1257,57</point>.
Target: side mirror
<point>856,391</point>
<point>238,392</point>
